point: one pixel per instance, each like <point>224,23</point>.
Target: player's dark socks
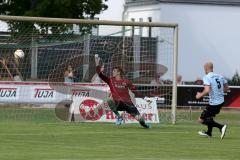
<point>211,123</point>
<point>209,131</point>
<point>215,124</point>
<point>209,134</point>
<point>220,127</point>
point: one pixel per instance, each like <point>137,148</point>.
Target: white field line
<point>79,133</point>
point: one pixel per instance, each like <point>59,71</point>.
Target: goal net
<point>59,64</point>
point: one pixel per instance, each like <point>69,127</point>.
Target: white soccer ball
<point>19,53</point>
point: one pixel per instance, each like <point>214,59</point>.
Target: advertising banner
<point>43,93</point>
<point>30,92</point>
<point>186,96</point>
<point>8,93</point>
<point>87,109</point>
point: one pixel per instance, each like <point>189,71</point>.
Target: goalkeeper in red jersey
<point>121,100</point>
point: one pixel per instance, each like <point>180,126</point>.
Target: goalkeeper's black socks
<point>142,123</point>
<point>117,114</point>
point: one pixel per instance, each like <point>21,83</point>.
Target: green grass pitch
<point>57,140</point>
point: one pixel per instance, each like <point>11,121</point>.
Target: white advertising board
<point>87,109</point>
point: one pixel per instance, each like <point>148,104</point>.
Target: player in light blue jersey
<point>214,85</point>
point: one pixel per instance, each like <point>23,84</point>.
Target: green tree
<point>50,8</point>
<point>235,80</point>
<point>53,8</point>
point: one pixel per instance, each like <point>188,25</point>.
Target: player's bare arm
<point>205,92</point>
<point>226,88</point>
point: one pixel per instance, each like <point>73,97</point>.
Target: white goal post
<point>51,45</point>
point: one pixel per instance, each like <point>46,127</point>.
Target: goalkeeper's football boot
<point>147,126</point>
<point>119,121</point>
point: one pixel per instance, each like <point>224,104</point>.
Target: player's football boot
<point>223,131</point>
<point>205,134</point>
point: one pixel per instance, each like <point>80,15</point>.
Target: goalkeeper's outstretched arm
<point>99,71</point>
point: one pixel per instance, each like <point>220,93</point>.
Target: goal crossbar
<point>87,21</point>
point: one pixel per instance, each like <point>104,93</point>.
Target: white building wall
<point>116,12</point>
<point>206,33</point>
<point>143,12</point>
<point>163,47</point>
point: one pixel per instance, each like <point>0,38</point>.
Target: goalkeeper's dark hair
<point>119,69</point>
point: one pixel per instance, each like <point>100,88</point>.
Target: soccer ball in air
<point>18,53</point>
